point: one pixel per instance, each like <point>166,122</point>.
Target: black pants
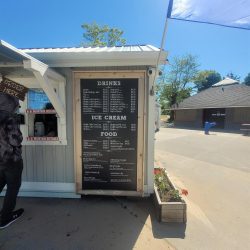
<point>10,175</point>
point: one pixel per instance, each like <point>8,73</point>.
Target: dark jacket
<point>10,134</point>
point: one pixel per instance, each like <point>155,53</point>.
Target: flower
<point>165,188</point>
<point>157,171</point>
<point>184,192</point>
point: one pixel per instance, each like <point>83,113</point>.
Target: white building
<point>96,115</point>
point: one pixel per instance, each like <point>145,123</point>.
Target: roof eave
<point>92,59</point>
<point>209,107</point>
<point>40,70</point>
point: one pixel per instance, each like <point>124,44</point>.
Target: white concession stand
<point>88,120</point>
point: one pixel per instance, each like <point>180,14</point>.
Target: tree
<point>96,35</point>
<point>247,80</point>
<point>174,85</point>
<point>206,78</point>
<point>233,76</point>
<point>114,37</point>
<point>169,94</point>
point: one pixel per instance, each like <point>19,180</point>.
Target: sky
<point>54,23</point>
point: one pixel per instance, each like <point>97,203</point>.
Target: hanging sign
<point>109,114</point>
<point>13,88</point>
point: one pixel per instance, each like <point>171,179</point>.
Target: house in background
<point>227,103</point>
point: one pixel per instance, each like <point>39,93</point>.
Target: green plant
<point>166,190</point>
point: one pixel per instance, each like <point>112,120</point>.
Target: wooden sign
<point>12,88</point>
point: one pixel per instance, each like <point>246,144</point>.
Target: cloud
<point>243,21</point>
<point>181,8</point>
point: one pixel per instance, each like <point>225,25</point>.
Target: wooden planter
<point>170,211</point>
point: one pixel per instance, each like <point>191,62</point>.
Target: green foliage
<point>175,195</point>
<point>114,37</point>
<point>247,80</point>
<point>206,78</point>
<point>182,71</point>
<point>96,35</point>
<point>161,181</point>
<point>166,191</point>
<point>170,96</point>
<point>233,76</point>
<point>173,85</point>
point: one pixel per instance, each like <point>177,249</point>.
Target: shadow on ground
<point>94,222</point>
<point>161,230</point>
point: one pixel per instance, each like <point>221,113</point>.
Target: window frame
<point>31,83</point>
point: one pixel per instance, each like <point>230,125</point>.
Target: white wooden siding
<point>55,164</point>
<point>52,163</point>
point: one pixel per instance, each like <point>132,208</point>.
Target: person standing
<point>11,162</point>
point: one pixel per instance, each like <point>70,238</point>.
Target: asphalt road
<point>215,169</point>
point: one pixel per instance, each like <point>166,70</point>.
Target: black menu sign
<point>109,114</point>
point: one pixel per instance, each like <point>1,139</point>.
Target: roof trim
<point>99,56</point>
<point>97,49</point>
<point>41,71</point>
<point>19,52</point>
<point>212,107</point>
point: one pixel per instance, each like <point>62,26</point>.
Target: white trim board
<point>47,189</point>
<point>55,190</point>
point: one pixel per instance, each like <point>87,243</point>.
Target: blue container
<point>207,126</point>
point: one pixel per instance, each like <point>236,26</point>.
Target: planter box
<point>170,211</point>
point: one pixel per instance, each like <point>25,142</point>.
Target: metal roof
<point>16,63</point>
<point>237,95</point>
<point>126,48</point>
<point>138,55</point>
<point>11,60</point>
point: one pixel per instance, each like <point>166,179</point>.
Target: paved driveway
<point>92,223</point>
<point>216,171</point>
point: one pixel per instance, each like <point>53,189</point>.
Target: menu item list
<point>109,112</point>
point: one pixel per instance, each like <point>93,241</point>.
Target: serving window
<point>40,123</point>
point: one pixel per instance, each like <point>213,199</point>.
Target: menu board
<point>109,112</point>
